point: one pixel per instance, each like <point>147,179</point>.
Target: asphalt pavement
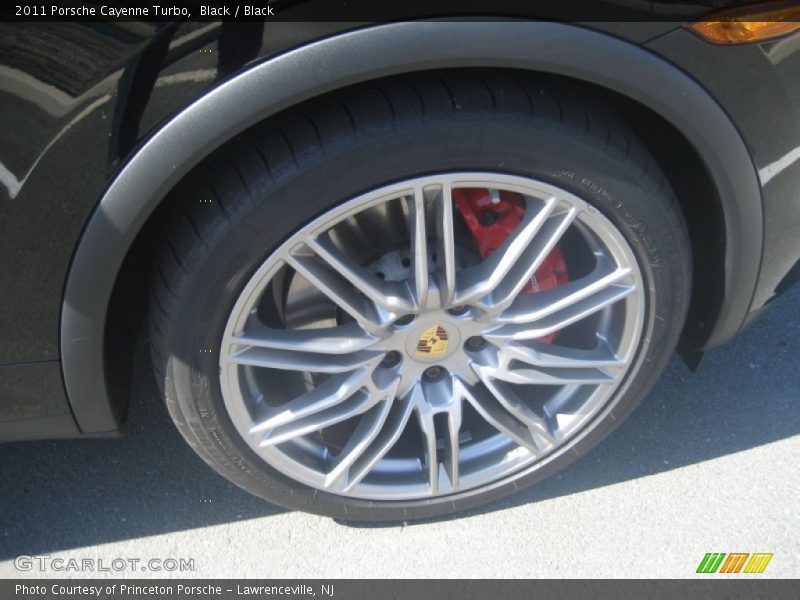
<point>708,463</point>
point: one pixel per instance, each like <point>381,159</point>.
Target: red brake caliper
<point>492,217</point>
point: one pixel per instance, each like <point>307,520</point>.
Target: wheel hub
<point>433,341</point>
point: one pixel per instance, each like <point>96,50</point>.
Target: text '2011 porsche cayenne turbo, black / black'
<point>387,270</point>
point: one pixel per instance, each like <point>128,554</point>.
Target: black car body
<point>102,119</point>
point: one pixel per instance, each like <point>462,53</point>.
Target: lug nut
<point>433,372</point>
<point>391,359</point>
<point>457,310</point>
<point>403,321</point>
<point>476,342</point>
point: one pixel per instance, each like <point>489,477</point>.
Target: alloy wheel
<point>382,353</point>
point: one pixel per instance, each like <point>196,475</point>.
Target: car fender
<point>277,83</point>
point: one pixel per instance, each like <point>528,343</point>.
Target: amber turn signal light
<point>748,24</point>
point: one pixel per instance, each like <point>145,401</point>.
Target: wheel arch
<point>346,59</point>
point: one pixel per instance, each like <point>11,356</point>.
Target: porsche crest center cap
<point>432,342</point>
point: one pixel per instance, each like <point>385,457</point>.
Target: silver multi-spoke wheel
<point>376,354</point>
<point>417,295</point>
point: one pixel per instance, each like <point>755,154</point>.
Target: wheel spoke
<point>502,409</point>
<point>521,272</point>
<point>373,303</point>
<point>544,365</point>
<point>419,245</point>
<point>539,354</point>
<point>325,340</point>
<point>532,307</point>
<point>431,402</point>
<point>538,315</point>
<point>353,405</point>
<point>431,461</point>
<point>494,414</point>
<point>364,436</point>
<point>378,431</point>
<point>482,279</point>
<point>451,445</point>
<point>330,393</point>
<point>445,245</point>
<point>391,296</point>
<point>305,361</point>
<point>338,290</point>
<point>543,376</point>
<point>509,400</point>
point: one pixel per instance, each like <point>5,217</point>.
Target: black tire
<point>251,194</point>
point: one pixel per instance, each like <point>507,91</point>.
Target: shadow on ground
<point>56,495</point>
<point>69,494</point>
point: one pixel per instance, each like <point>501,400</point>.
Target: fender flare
<point>322,66</point>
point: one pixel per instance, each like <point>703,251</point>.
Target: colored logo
<point>734,562</point>
<point>432,342</point>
